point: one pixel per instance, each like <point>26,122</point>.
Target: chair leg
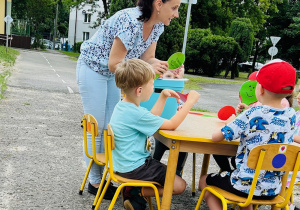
<point>200,199</point>
<point>103,193</point>
<point>150,203</point>
<point>100,189</point>
<point>113,201</point>
<point>85,176</point>
<point>291,198</point>
<point>157,197</point>
<point>194,176</point>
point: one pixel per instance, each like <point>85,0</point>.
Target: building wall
<point>5,9</point>
<point>2,16</point>
<point>81,26</point>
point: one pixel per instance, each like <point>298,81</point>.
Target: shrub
<point>193,49</point>
<point>76,47</point>
<point>217,53</point>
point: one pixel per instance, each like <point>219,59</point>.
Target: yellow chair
<point>90,125</point>
<point>271,157</point>
<point>109,147</point>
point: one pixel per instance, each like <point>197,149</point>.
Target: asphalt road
<point>41,164</point>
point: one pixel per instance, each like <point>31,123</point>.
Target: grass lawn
<point>72,55</point>
<point>194,82</point>
<point>7,60</point>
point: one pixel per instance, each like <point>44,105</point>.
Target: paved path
<point>41,164</point>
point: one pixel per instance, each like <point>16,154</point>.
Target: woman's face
<point>168,11</point>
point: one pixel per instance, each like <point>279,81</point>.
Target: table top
<point>197,126</point>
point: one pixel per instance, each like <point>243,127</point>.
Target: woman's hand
<point>160,67</point>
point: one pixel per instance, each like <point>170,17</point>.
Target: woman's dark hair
<point>146,8</point>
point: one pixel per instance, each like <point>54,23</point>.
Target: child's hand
<point>170,93</point>
<point>193,97</point>
<point>240,107</point>
<point>178,73</point>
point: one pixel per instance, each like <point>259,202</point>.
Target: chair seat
<point>233,197</point>
<point>124,180</point>
<point>101,158</point>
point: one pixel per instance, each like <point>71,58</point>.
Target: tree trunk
<point>233,69</point>
<point>255,57</point>
<point>105,7</point>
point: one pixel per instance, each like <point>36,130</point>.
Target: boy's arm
<point>297,139</point>
<point>218,135</point>
<point>161,101</point>
<point>177,119</point>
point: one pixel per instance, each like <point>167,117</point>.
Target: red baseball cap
<point>276,75</point>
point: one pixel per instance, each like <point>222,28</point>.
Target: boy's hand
<point>193,97</point>
<point>240,107</point>
<point>170,93</point>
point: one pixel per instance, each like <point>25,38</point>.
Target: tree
<point>18,9</point>
<point>242,31</point>
<point>193,51</point>
<point>218,52</point>
<point>116,5</point>
<point>285,24</point>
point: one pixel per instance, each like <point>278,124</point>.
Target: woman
<point>130,33</point>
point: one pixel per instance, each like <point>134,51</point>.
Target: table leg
<point>194,175</point>
<point>205,164</point>
<point>170,176</point>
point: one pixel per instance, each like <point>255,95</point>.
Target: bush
<point>218,52</point>
<point>76,47</point>
<point>193,49</point>
<point>37,42</point>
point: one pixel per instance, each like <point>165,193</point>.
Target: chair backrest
<point>275,157</point>
<point>90,125</point>
<point>278,157</point>
<point>109,147</point>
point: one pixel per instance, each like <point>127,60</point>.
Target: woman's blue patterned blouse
<point>124,24</point>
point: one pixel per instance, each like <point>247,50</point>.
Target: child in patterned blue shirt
<point>266,124</point>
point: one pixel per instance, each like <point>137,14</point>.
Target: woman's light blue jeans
<point>99,95</point>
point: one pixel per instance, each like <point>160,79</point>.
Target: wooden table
<point>193,135</point>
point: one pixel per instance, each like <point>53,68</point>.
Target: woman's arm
<point>117,54</point>
<point>159,66</point>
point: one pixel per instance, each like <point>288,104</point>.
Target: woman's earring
<point>157,12</point>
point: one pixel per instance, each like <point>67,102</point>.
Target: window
<point>86,35</point>
<point>87,17</point>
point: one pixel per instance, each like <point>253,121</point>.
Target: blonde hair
<point>133,73</point>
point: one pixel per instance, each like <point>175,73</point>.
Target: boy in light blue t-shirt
<point>131,125</point>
